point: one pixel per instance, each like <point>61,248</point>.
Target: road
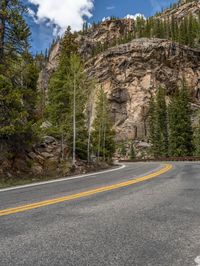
<point>142,214</point>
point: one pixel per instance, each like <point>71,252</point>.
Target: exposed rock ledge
<point>130,74</point>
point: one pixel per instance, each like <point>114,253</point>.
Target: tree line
<point>175,5</point>
<point>68,105</point>
<point>18,79</point>
<point>79,119</point>
<point>170,125</point>
<point>70,108</point>
<point>186,32</point>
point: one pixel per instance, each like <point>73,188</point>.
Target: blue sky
<point>48,18</point>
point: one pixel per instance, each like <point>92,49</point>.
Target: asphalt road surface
<point>142,214</point>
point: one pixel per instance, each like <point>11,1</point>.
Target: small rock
<point>46,155</point>
<point>37,169</point>
<point>49,140</point>
<point>143,145</point>
<point>45,125</point>
<point>32,155</point>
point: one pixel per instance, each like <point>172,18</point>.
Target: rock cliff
<point>130,73</point>
<point>46,73</point>
<point>106,33</point>
<point>184,9</point>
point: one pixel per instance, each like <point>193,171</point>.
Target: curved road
<point>142,214</point>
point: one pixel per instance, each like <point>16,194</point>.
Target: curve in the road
<point>60,179</point>
<point>40,204</point>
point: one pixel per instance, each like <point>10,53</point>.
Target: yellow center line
<point>40,204</point>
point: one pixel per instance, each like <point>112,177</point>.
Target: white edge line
<point>61,179</point>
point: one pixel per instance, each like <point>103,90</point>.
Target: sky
<point>49,18</point>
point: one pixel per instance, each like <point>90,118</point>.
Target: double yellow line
<point>36,205</point>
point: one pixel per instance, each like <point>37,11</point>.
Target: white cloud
<point>63,12</point>
<point>33,15</point>
<point>31,12</point>
<point>129,16</point>
<point>106,18</point>
<point>135,16</point>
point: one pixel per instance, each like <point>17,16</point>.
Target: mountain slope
<point>183,10</point>
<point>130,73</point>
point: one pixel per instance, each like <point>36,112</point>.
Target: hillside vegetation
<point>90,95</point>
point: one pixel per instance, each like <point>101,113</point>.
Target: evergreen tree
<point>68,93</point>
<point>158,125</point>
<point>28,72</point>
<point>183,35</point>
<point>161,123</point>
<point>123,149</point>
<point>152,126</point>
<point>180,129</point>
<point>132,152</point>
<point>14,32</point>
<point>186,31</point>
<point>174,29</point>
<point>12,116</point>
<point>103,135</point>
<point>18,79</point>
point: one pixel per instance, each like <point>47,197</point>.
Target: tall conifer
<point>103,134</point>
<point>180,128</point>
<point>158,124</point>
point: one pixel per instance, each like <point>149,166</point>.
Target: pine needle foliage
<point>180,127</point>
<point>103,137</point>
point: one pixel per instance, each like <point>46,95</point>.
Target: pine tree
<point>28,72</point>
<point>18,79</point>
<point>152,126</point>
<point>69,46</point>
<point>180,129</point>
<point>68,94</point>
<point>12,117</point>
<point>132,152</point>
<point>158,124</point>
<point>59,105</point>
<point>14,32</point>
<point>161,123</point>
<point>183,32</point>
<point>123,149</point>
<point>174,29</point>
<point>103,135</point>
<point>186,31</point>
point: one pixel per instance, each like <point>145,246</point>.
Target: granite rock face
<point>42,160</point>
<point>131,73</point>
<point>183,10</point>
<point>48,70</point>
<point>105,33</point>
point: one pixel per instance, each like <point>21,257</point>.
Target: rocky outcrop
<point>131,73</point>
<point>106,33</point>
<point>48,70</point>
<point>183,10</point>
<point>44,159</point>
